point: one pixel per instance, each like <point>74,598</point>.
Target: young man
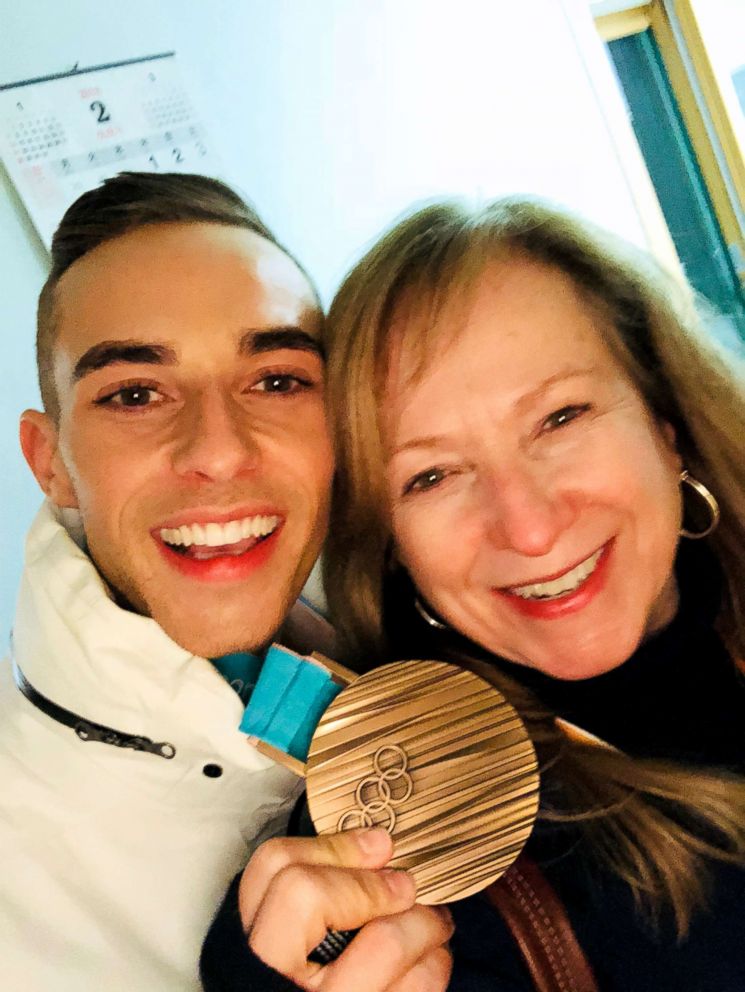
<point>184,456</point>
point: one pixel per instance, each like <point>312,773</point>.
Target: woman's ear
<point>668,432</point>
<point>671,442</point>
<point>392,562</point>
<point>40,446</point>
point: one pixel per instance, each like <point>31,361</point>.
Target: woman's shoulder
<point>627,950</point>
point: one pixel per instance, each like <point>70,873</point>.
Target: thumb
<point>366,848</point>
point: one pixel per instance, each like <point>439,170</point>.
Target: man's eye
<point>564,416</point>
<point>425,481</point>
<point>283,383</point>
<point>131,397</point>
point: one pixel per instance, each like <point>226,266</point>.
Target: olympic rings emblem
<point>374,795</point>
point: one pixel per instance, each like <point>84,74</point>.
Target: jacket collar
<point>77,647</point>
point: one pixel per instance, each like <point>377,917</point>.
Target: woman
<point>515,396</point>
<point>530,427</point>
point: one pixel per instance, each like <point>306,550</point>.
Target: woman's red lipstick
<point>571,602</point>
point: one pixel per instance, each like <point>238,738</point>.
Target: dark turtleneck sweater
<point>678,697</point>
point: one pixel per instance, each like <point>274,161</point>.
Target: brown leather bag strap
<point>539,923</point>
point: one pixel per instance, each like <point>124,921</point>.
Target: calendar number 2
<point>100,108</point>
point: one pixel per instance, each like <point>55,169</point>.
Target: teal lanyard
<point>241,670</point>
<point>285,696</point>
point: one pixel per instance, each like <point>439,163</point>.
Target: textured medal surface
<point>436,756</point>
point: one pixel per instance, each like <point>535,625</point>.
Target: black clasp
<point>88,731</point>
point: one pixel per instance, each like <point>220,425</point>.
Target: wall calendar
<point>61,135</point>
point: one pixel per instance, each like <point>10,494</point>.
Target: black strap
<point>87,730</point>
<point>333,944</point>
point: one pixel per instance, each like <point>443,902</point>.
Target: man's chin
<point>211,635</point>
<point>212,621</point>
<point>216,643</point>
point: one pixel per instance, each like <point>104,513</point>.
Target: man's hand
<point>294,890</point>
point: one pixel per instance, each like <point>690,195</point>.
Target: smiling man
<point>184,456</point>
<point>183,387</point>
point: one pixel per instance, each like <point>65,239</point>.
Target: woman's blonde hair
<point>410,290</point>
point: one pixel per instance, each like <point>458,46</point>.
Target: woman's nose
<point>524,513</point>
<point>217,441</point>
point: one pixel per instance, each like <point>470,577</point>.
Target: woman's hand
<point>294,890</point>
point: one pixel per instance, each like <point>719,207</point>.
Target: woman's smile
<point>567,592</point>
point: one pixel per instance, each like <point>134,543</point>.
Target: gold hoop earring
<point>709,501</point>
<point>427,616</point>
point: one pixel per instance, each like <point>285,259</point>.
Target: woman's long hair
<point>653,822</point>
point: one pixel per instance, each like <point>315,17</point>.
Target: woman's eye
<point>131,397</point>
<point>424,481</point>
<point>283,383</point>
<point>564,416</point>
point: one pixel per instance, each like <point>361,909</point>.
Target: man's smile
<point>212,545</point>
<point>206,540</point>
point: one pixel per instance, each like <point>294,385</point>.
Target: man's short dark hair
<point>122,204</point>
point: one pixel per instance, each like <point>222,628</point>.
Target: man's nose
<point>216,440</point>
<point>525,512</point>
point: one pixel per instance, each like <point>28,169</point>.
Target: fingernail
<point>446,916</point>
<point>399,882</point>
<point>373,840</point>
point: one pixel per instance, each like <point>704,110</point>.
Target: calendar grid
<point>63,134</point>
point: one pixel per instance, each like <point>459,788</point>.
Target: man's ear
<point>40,446</point>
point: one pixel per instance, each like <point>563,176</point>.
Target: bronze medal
<point>436,756</point>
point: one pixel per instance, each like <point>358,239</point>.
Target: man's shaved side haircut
<point>119,206</point>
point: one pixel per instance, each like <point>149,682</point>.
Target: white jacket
<point>113,861</point>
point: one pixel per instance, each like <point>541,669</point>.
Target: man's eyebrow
<point>133,352</point>
<point>256,342</point>
<point>122,352</point>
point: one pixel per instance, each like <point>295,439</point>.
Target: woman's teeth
<point>213,535</point>
<point>561,586</point>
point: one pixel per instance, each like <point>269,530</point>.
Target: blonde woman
<point>526,416</point>
<point>540,474</point>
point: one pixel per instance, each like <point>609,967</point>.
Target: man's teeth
<point>561,586</point>
<point>213,535</point>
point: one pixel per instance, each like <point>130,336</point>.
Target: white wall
<point>722,24</point>
<point>333,116</point>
